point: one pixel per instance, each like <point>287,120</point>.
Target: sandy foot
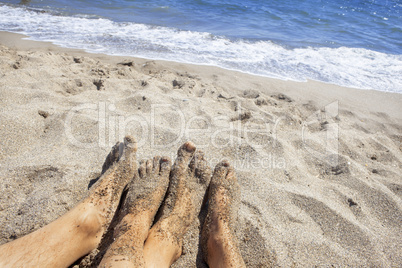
<point>119,168</point>
<point>218,240</point>
<point>145,194</point>
<point>189,180</point>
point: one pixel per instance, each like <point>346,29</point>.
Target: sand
<point>319,166</point>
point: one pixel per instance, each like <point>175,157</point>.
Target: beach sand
<point>319,165</point>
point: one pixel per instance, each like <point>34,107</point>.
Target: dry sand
<point>319,165</point>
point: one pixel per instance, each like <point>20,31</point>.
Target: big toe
<point>224,176</point>
<point>184,155</point>
<point>129,147</point>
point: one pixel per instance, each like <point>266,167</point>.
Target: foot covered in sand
<point>218,239</point>
<point>144,197</point>
<point>189,180</point>
<point>118,169</point>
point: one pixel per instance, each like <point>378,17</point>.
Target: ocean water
<point>352,43</point>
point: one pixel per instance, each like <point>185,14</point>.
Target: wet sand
<point>318,165</point>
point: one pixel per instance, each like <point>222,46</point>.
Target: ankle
<point>89,221</point>
<point>162,248</point>
<point>214,249</point>
<point>134,226</point>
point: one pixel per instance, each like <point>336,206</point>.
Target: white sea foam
<point>353,67</point>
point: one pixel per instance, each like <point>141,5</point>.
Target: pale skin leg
<point>189,180</point>
<point>137,214</point>
<point>62,242</point>
<point>190,177</point>
<point>79,231</point>
<point>219,243</point>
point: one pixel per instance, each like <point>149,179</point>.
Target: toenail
<point>225,163</point>
<point>190,147</point>
<point>128,139</point>
<point>164,159</point>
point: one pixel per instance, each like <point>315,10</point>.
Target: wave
<point>351,67</point>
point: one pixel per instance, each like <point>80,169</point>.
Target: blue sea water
<point>353,43</point>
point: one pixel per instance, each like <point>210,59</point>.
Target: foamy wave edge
<point>351,67</point>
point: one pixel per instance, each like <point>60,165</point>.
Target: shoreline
<point>17,41</point>
<point>319,165</point>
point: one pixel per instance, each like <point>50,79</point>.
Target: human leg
<point>79,231</point>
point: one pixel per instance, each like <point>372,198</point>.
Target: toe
<point>149,166</point>
<point>129,147</point>
<point>184,155</point>
<point>200,169</point>
<point>186,150</point>
<point>231,175</point>
<point>156,164</point>
<point>142,170</point>
<point>224,177</point>
<point>128,159</point>
<point>165,165</point>
<point>130,143</point>
<point>221,170</point>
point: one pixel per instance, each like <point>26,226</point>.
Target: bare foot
<point>145,194</point>
<point>119,168</point>
<point>218,241</point>
<point>189,180</point>
<point>80,230</point>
